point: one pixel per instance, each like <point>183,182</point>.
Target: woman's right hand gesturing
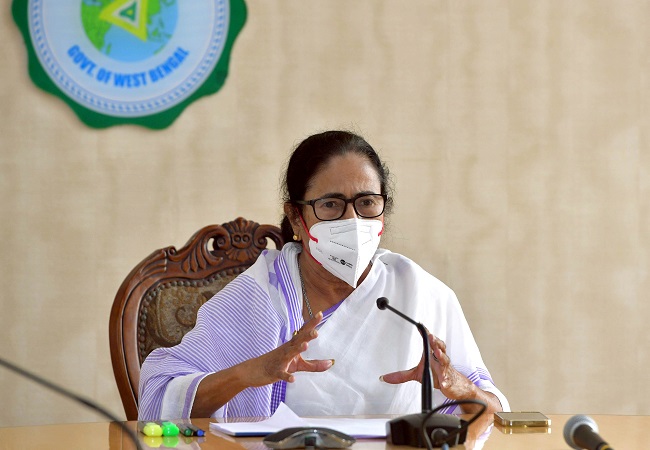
<point>217,389</point>
<point>284,361</point>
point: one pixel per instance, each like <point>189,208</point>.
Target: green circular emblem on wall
<point>129,61</point>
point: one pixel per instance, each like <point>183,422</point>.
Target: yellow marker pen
<point>151,429</point>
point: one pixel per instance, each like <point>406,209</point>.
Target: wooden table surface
<point>622,433</point>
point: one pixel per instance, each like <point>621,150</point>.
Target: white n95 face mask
<point>345,247</point>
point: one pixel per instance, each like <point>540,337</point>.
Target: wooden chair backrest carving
<point>157,302</point>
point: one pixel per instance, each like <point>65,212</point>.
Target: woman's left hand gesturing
<point>453,384</point>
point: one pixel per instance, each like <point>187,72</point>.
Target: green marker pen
<point>184,429</point>
<point>169,428</point>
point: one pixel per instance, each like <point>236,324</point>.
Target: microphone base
<point>407,430</point>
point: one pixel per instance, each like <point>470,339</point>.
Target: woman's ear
<point>292,215</point>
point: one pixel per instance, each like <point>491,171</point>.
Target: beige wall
<point>517,132</point>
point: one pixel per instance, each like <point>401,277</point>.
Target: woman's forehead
<point>346,174</point>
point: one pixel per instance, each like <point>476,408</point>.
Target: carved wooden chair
<point>157,302</point>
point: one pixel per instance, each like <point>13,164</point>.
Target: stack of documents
<point>284,417</point>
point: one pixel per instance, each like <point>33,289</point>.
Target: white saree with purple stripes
<point>262,307</point>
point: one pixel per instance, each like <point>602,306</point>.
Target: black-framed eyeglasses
<point>332,208</point>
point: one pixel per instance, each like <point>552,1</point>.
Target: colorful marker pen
<point>184,429</point>
<point>197,431</point>
<point>168,428</point>
<point>150,429</point>
<point>189,429</point>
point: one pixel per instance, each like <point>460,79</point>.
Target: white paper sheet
<point>284,417</point>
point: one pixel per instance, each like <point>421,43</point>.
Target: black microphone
<point>90,404</point>
<point>427,377</point>
<point>408,430</point>
<point>581,432</point>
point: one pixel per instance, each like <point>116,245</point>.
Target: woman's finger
<point>314,365</point>
<point>311,324</point>
<point>438,350</point>
<point>401,376</point>
<point>438,343</point>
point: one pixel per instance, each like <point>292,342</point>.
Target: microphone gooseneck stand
<point>66,393</point>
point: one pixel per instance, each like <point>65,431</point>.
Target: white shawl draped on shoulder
<point>367,342</point>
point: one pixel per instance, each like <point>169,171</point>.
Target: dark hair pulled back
<point>314,153</point>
